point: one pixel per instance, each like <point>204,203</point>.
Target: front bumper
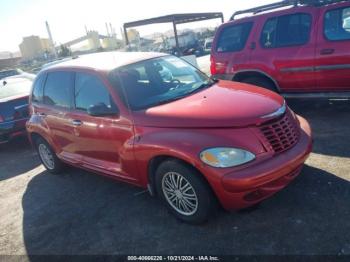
<point>251,185</point>
<point>11,129</point>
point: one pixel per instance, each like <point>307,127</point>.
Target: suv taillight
<point>217,67</point>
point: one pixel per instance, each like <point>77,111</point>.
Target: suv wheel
<point>261,82</point>
<point>48,156</point>
<point>184,192</point>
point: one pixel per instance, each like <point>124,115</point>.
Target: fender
<point>35,125</point>
<point>186,145</point>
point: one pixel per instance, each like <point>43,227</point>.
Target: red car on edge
<point>292,47</point>
<point>155,121</point>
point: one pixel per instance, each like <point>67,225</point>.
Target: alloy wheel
<point>179,193</point>
<point>46,156</point>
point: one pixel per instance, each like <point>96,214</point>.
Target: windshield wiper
<point>204,86</point>
<point>166,101</point>
<point>199,88</point>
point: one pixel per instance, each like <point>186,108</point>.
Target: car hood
<point>225,104</point>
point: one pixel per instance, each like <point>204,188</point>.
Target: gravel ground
<point>82,213</point>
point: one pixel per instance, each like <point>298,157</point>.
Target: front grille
<point>282,134</point>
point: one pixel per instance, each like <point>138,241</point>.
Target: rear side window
<point>287,30</point>
<point>38,89</point>
<point>58,88</point>
<point>337,24</point>
<point>89,90</point>
<point>234,38</point>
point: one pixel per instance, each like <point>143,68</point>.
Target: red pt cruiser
<point>155,121</point>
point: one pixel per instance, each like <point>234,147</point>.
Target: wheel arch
<point>244,74</point>
<point>35,135</point>
<point>155,162</point>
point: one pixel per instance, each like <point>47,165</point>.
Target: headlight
<point>226,157</point>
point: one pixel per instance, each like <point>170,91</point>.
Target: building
<point>185,38</point>
<point>34,47</point>
<point>94,40</point>
<point>45,43</point>
<point>133,36</point>
<point>111,43</point>
<point>12,62</point>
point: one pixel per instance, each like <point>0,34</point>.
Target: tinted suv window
<point>287,30</point>
<point>38,89</point>
<point>89,90</point>
<point>234,38</point>
<point>58,89</point>
<point>337,24</point>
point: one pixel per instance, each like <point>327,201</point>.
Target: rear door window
<point>58,89</point>
<point>337,24</point>
<point>234,38</point>
<point>287,30</point>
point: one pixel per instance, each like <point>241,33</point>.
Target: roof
<point>285,3</point>
<point>105,61</point>
<point>176,18</point>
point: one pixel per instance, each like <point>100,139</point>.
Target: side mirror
<point>102,110</point>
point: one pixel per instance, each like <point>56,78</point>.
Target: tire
<point>261,82</point>
<point>48,157</point>
<point>195,203</point>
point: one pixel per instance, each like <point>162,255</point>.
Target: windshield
<point>14,87</point>
<point>158,81</point>
<point>8,73</point>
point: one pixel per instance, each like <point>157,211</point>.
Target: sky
<point>67,18</point>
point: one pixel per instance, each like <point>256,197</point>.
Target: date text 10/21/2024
<point>173,258</point>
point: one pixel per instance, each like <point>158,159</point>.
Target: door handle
<point>77,122</point>
<point>327,51</point>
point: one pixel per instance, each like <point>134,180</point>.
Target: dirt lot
<point>82,213</point>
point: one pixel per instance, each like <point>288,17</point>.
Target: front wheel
<point>184,192</point>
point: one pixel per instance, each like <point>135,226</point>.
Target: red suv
<point>155,121</point>
<point>296,48</point>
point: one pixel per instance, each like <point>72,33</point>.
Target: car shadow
<point>16,158</point>
<point>81,213</point>
<point>329,120</point>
